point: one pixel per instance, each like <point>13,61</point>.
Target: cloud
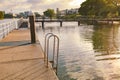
<point>36,5</point>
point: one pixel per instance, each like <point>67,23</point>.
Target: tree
<point>109,10</point>
<point>49,13</point>
<point>1,15</point>
<point>8,15</point>
<point>37,14</point>
<point>91,7</point>
<point>117,4</point>
<point>103,8</point>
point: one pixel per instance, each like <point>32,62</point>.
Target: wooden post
<point>78,23</point>
<point>32,28</point>
<point>60,23</point>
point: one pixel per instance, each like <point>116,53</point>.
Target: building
<point>67,11</point>
<point>73,11</point>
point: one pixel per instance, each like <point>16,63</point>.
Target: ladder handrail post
<point>47,50</point>
<point>53,51</point>
<point>48,47</point>
<point>46,36</point>
<point>57,53</point>
<point>57,56</point>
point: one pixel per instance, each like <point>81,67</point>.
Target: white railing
<point>7,25</point>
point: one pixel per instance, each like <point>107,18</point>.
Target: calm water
<point>87,52</point>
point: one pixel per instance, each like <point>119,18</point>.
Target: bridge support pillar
<point>60,23</point>
<point>78,23</point>
<point>42,24</point>
<point>32,28</point>
<point>112,22</point>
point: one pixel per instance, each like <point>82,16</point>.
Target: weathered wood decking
<point>20,60</point>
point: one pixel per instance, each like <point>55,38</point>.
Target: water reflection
<point>87,52</point>
<point>106,40</point>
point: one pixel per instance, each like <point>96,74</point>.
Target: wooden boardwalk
<point>20,60</point>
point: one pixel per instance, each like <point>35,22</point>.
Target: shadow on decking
<point>15,43</point>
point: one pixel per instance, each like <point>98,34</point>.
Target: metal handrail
<point>55,36</point>
<point>46,49</point>
<point>46,36</point>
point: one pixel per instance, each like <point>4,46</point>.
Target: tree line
<point>100,8</point>
<point>4,15</point>
<point>92,9</point>
<point>89,8</point>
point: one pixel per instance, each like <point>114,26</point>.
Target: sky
<point>16,6</point>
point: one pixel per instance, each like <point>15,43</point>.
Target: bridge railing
<point>7,25</point>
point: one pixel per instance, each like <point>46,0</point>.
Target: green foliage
<point>8,15</point>
<point>49,13</point>
<point>115,2</point>
<point>71,16</point>
<point>37,14</point>
<point>1,15</point>
<point>103,8</point>
<point>91,7</point>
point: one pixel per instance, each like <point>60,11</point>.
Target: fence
<point>7,25</point>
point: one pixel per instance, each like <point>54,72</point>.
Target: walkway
<point>20,60</point>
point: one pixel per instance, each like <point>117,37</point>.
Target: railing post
<point>32,27</point>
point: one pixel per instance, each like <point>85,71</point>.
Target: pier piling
<point>32,28</point>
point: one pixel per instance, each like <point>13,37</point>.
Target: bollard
<point>32,28</point>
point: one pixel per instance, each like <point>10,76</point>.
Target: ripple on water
<point>88,52</point>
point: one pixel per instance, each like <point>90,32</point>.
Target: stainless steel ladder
<point>54,61</point>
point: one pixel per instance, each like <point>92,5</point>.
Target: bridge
<point>56,20</point>
<point>94,20</point>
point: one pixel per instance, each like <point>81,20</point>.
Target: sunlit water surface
<point>86,52</point>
